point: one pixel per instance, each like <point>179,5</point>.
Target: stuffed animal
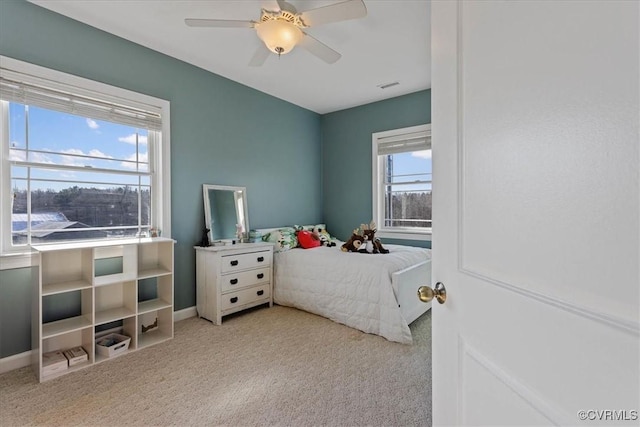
<point>354,242</point>
<point>321,234</point>
<point>369,232</point>
<point>367,245</point>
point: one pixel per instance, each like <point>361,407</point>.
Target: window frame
<point>377,193</point>
<point>16,257</point>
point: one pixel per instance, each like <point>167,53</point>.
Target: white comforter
<point>350,288</point>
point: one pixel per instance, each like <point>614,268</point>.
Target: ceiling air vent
<point>387,85</point>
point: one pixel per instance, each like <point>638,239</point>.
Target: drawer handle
<point>260,258</point>
<point>119,346</point>
<point>260,276</point>
<point>234,300</point>
<point>260,292</point>
<point>233,281</point>
<point>234,262</point>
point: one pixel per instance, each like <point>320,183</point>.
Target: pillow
<point>299,228</point>
<point>322,229</point>
<point>321,233</point>
<point>307,240</point>
<point>313,227</point>
<point>284,239</point>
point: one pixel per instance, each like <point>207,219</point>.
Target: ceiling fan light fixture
<point>278,35</point>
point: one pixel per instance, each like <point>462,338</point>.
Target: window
<point>80,160</point>
<point>402,182</point>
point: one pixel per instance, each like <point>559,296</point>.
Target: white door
<point>536,209</point>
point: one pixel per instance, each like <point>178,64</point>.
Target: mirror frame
<point>207,208</point>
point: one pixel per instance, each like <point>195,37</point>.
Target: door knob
<point>426,294</point>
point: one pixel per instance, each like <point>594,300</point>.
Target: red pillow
<point>307,240</point>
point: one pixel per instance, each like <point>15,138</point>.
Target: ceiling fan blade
<point>319,49</point>
<point>350,9</point>
<point>261,55</point>
<point>283,5</point>
<point>219,23</point>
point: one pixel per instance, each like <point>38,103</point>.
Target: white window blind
<point>407,142</point>
<point>79,159</point>
<point>56,96</point>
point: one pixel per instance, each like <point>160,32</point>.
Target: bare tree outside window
<point>407,198</point>
<point>401,176</point>
<point>76,178</point>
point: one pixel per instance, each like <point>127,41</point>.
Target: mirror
<point>225,212</point>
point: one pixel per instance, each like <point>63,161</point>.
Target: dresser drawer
<point>245,261</point>
<point>238,280</point>
<point>233,278</point>
<point>245,296</point>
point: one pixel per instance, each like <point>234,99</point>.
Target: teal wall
<point>346,157</point>
<point>16,292</point>
<point>221,133</point>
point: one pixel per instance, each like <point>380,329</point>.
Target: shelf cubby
<point>154,259</point>
<point>66,270</point>
<point>114,302</point>
<point>79,337</point>
<point>155,296</point>
<point>155,293</point>
<point>128,256</point>
<point>78,312</point>
<point>128,329</point>
<point>163,332</point>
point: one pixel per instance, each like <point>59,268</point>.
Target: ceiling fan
<point>282,30</point>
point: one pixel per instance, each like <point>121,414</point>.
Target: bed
<point>375,293</point>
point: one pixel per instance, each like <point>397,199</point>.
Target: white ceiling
<point>392,43</point>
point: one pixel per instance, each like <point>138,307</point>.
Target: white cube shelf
<point>70,267</point>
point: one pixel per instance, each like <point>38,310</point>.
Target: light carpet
<point>268,366</point>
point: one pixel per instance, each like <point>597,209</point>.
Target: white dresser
<point>232,278</point>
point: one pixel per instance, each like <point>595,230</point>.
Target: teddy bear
<point>354,242</point>
<point>321,234</point>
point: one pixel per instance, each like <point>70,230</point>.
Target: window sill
<point>10,261</point>
<point>404,235</point>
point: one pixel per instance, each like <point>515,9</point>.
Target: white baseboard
<point>21,360</point>
<point>185,313</point>
<point>16,361</point>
